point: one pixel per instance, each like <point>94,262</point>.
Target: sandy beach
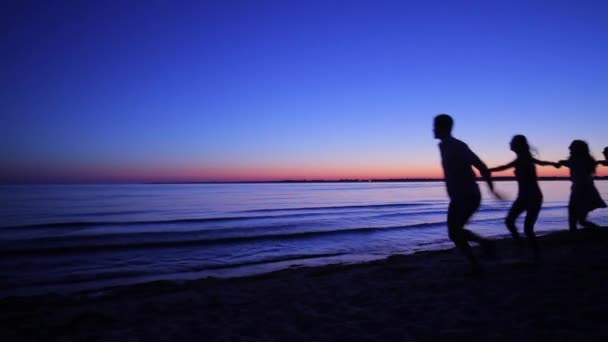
<point>420,297</point>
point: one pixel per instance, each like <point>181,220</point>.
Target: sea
<point>66,238</point>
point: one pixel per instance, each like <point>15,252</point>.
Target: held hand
<point>557,165</point>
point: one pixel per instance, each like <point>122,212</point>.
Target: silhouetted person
<point>529,196</point>
<point>605,161</point>
<point>584,197</point>
<point>457,161</point>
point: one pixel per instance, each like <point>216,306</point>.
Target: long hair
<point>579,154</point>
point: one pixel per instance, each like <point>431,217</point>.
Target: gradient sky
<point>266,90</point>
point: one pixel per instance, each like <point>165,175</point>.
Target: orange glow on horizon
<point>243,173</point>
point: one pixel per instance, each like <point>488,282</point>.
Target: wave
<point>265,261</point>
<point>443,211</point>
<point>79,244</point>
<point>81,224</point>
<point>125,274</point>
<point>367,206</point>
<point>111,213</point>
<point>85,224</point>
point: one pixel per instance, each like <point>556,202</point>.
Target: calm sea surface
<point>72,237</point>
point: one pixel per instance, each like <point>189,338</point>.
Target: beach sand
<point>420,297</point>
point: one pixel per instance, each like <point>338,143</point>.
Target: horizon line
<point>288,181</point>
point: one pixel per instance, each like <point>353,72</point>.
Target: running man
<point>460,180</point>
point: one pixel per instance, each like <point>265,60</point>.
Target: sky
<point>135,91</point>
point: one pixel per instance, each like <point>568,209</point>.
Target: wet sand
<point>420,297</point>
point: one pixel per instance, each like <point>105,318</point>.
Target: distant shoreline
<point>390,180</point>
<point>292,181</point>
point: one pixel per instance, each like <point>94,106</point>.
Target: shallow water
<point>69,237</point>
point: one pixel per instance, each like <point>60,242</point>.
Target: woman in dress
<point>584,197</point>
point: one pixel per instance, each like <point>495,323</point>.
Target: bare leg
<point>457,235</point>
<point>516,209</point>
<point>572,217</point>
<point>531,217</point>
<point>459,213</point>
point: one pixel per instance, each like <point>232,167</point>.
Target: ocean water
<point>74,237</point>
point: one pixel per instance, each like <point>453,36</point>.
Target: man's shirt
<point>457,160</point>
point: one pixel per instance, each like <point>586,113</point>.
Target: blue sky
<point>233,90</point>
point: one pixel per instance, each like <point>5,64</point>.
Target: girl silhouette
<point>605,161</point>
<point>584,197</point>
<point>529,196</point>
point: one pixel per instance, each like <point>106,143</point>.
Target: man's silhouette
<point>457,161</point>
